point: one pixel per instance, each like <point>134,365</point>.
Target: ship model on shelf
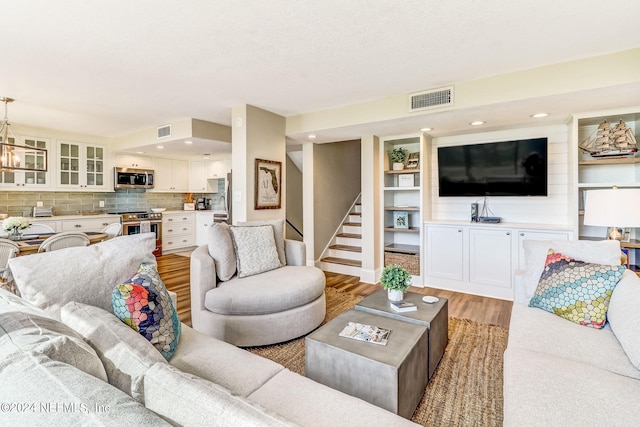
<point>611,141</point>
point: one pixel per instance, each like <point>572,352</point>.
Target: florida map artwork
<point>268,184</point>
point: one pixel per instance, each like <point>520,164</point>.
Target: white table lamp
<point>613,208</point>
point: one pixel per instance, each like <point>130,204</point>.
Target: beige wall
<point>294,200</point>
<point>336,185</point>
<point>256,134</point>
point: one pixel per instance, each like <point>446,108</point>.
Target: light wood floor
<point>174,270</point>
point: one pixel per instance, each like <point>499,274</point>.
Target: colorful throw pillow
<point>144,304</point>
<point>576,290</point>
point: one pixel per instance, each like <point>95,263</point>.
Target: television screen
<point>507,168</point>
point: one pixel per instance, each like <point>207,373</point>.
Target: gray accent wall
<point>337,184</point>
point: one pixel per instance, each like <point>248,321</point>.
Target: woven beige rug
<point>466,389</point>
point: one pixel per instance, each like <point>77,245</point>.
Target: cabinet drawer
<point>178,229</point>
<point>175,242</point>
<point>88,224</point>
<point>178,219</point>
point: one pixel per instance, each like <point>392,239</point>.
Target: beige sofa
<point>74,363</point>
<point>560,373</point>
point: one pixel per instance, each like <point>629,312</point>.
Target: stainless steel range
<point>143,222</point>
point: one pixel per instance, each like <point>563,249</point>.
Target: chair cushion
<point>25,328</point>
<point>576,290</point>
<point>50,280</point>
<point>255,249</point>
<point>278,231</point>
<point>270,292</point>
<point>144,304</point>
<point>221,250</point>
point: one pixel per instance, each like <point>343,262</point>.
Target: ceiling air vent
<point>164,131</point>
<point>435,98</point>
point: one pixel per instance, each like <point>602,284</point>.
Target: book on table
<point>403,306</point>
<point>367,333</point>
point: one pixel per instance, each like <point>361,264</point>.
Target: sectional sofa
<point>65,359</point>
<point>557,372</point>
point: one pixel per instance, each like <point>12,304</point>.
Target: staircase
<point>344,255</point>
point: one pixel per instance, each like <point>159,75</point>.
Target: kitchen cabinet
<point>204,220</point>
<point>199,182</point>
<point>178,231</point>
<point>124,160</point>
<point>490,260</point>
<point>171,175</point>
<point>445,261</point>
<point>218,169</point>
<point>81,166</point>
<point>88,224</point>
<point>30,180</point>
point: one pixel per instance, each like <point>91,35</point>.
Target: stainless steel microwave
<point>133,178</point>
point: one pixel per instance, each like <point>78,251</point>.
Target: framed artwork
<point>413,161</point>
<point>268,185</point>
<point>400,219</point>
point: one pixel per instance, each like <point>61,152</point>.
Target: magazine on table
<point>403,306</point>
<point>367,333</point>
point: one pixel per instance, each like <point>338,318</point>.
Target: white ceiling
<point>113,67</point>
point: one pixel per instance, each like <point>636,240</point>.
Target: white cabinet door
<point>204,220</point>
<point>445,252</point>
<point>136,162</point>
<point>33,180</point>
<point>81,166</point>
<point>537,235</point>
<point>171,175</point>
<point>217,169</point>
<point>180,175</point>
<point>197,177</point>
<point>490,257</point>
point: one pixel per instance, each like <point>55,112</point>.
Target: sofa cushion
<point>535,251</point>
<point>144,304</point>
<point>270,292</point>
<point>125,354</point>
<point>235,369</point>
<point>624,315</point>
<point>25,328</point>
<point>50,280</point>
<point>51,393</point>
<point>187,400</point>
<point>540,331</point>
<point>255,249</point>
<point>575,290</point>
<point>309,403</point>
<point>543,390</point>
<point>221,250</point>
<point>278,232</point>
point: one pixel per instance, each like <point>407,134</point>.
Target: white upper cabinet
<point>132,161</point>
<point>201,179</point>
<point>30,180</point>
<point>218,169</point>
<point>81,166</point>
<point>171,175</point>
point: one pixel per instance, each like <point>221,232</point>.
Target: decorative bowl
<point>158,210</point>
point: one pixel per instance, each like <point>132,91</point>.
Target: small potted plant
<point>397,156</point>
<point>395,280</point>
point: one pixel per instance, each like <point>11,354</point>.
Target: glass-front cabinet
<point>36,159</point>
<point>81,165</point>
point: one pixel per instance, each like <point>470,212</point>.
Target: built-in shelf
<point>614,161</point>
<point>608,184</point>
<point>403,230</point>
<point>403,171</point>
<point>404,249</point>
<point>402,208</point>
<point>401,188</point>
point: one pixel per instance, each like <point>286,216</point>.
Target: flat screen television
<point>506,168</point>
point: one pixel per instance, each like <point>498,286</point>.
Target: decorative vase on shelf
<point>395,295</point>
<point>398,166</point>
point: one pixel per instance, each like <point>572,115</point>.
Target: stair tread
<point>352,224</point>
<point>343,261</point>
<point>355,213</point>
<point>347,248</point>
<point>350,235</point>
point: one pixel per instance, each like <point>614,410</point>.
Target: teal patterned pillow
<point>144,304</point>
<point>576,290</point>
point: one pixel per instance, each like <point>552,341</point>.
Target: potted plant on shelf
<point>395,280</point>
<point>397,156</point>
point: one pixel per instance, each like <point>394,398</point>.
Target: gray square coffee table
<point>391,376</point>
<point>435,317</point>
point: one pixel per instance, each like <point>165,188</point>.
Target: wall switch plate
<point>39,204</point>
<point>101,204</point>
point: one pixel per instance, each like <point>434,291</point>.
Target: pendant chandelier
<point>15,156</point>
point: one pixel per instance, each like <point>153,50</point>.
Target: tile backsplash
<point>21,203</point>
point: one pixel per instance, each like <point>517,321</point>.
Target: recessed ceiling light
<point>477,123</point>
<point>312,136</point>
<point>426,129</point>
<point>160,147</point>
<point>539,115</point>
<point>188,142</point>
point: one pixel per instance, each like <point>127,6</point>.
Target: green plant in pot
<point>396,280</point>
<point>397,156</point>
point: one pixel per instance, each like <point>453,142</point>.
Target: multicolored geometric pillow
<point>576,290</point>
<point>144,304</point>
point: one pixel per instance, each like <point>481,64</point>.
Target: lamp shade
<point>613,207</point>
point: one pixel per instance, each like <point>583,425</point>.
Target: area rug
<point>466,389</point>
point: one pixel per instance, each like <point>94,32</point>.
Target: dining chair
<point>63,240</point>
<point>38,228</point>
<point>8,250</point>
<point>112,230</point>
